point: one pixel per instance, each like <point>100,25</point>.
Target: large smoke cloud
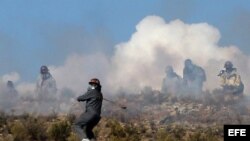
<point>141,61</point>
<point>13,76</point>
<point>79,69</point>
<point>155,44</point>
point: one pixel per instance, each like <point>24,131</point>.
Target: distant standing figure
<point>8,97</point>
<point>46,85</point>
<point>172,82</point>
<point>193,76</point>
<point>46,93</point>
<point>230,79</point>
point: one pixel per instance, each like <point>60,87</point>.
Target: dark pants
<point>85,124</point>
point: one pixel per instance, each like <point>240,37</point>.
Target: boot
<point>81,132</point>
<point>84,131</point>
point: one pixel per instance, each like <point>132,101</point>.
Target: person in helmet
<point>46,91</point>
<point>230,80</point>
<point>46,84</point>
<point>8,97</point>
<point>11,89</point>
<point>193,76</point>
<point>172,82</point>
<point>92,115</point>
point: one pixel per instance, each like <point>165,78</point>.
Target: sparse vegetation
<point>120,132</point>
<point>180,120</point>
<point>19,131</point>
<point>59,131</point>
<point>28,128</point>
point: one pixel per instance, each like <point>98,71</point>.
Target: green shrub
<point>199,136</point>
<point>116,129</point>
<point>73,137</point>
<point>36,129</point>
<point>163,135</point>
<point>132,132</point>
<point>59,131</point>
<point>122,133</point>
<point>178,132</point>
<point>19,131</point>
<point>71,118</point>
<point>7,138</point>
<point>3,119</point>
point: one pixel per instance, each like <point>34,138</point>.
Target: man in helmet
<point>193,76</point>
<point>11,89</point>
<point>46,90</point>
<point>46,84</point>
<point>8,97</point>
<point>92,115</point>
<point>172,82</point>
<point>231,81</point>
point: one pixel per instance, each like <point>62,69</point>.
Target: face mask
<point>91,87</point>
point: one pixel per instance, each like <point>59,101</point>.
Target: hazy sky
<point>37,32</point>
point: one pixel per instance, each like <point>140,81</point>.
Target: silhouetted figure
<point>46,85</point>
<point>230,79</point>
<point>8,97</point>
<point>193,77</point>
<point>46,91</point>
<point>172,82</point>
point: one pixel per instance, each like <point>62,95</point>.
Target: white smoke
<point>155,44</point>
<point>26,89</point>
<point>79,69</point>
<point>141,61</point>
<point>13,76</point>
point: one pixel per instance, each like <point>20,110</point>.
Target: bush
<point>59,131</point>
<point>36,129</point>
<point>73,137</point>
<point>19,131</point>
<point>116,129</point>
<point>3,119</point>
<point>198,136</point>
<point>7,138</point>
<point>71,118</point>
<point>178,132</point>
<point>122,133</point>
<point>163,135</point>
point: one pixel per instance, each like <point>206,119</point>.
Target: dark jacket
<point>93,100</point>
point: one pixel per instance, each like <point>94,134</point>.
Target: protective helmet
<point>169,69</point>
<point>10,84</point>
<point>94,81</point>
<point>188,62</point>
<point>44,70</point>
<point>228,65</point>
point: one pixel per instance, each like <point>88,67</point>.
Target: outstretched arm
<point>85,96</point>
